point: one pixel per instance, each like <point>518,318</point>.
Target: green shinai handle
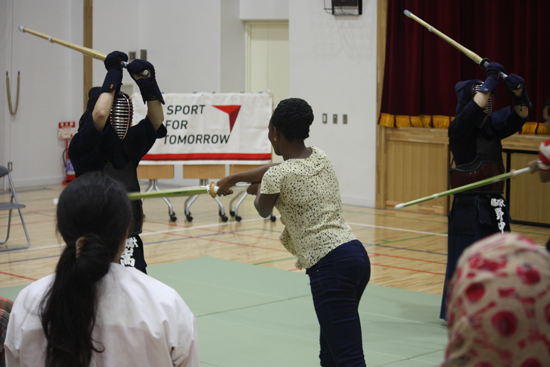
<point>212,189</point>
<point>167,193</point>
<point>497,178</point>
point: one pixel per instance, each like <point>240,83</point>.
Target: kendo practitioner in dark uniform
<point>107,142</point>
<point>475,141</point>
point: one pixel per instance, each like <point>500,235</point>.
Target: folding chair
<point>11,205</point>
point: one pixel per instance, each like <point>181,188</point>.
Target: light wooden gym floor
<point>252,305</point>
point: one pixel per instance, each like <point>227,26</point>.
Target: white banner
<point>211,128</point>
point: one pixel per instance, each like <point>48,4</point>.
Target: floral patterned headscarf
<point>499,305</point>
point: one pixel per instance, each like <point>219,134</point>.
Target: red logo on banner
<point>232,111</point>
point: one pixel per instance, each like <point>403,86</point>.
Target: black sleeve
<point>141,138</point>
<point>514,123</point>
<point>84,149</point>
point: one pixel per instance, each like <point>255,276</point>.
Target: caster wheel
<point>238,218</point>
<point>173,217</point>
<point>223,217</point>
<point>189,218</point>
<point>232,213</point>
<point>273,218</point>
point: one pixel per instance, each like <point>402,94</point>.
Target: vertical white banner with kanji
<point>205,128</point>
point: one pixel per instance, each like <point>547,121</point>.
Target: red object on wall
<point>66,130</point>
<point>70,175</point>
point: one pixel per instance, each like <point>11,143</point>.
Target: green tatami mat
<point>232,275</point>
<point>11,292</point>
<point>253,316</point>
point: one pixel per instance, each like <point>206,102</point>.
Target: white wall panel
<point>333,67</point>
<point>232,48</point>
<point>115,28</point>
<point>45,90</point>
<point>264,9</point>
<point>182,39</point>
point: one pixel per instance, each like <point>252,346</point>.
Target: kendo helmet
<point>488,109</point>
<point>121,115</point>
<point>466,90</point>
<point>122,112</point>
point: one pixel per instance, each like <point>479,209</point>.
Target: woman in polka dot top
<point>304,189</point>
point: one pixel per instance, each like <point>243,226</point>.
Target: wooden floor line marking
<point>413,259</point>
<point>27,212</point>
<point>164,241</point>
<point>393,216</point>
<point>411,249</point>
<point>17,276</point>
<point>397,229</point>
<point>23,260</point>
<point>239,233</point>
<point>36,248</point>
<point>386,242</point>
<point>26,223</point>
<point>198,227</point>
<point>416,271</point>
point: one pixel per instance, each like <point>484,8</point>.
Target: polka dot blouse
<point>310,206</point>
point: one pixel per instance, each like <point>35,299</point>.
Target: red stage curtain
<point>422,69</point>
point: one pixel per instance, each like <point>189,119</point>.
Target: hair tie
<point>79,244</point>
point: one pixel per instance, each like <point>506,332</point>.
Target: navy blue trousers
<point>470,219</point>
<point>337,283</point>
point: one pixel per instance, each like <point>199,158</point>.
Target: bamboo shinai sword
<point>486,181</point>
<point>84,50</point>
<point>211,189</point>
<point>482,62</point>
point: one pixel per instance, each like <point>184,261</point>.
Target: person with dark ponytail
<point>304,188</point>
<point>94,311</point>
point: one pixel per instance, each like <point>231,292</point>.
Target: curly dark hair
<point>292,118</point>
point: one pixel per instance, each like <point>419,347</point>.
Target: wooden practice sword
<point>211,189</point>
<point>483,62</point>
<point>486,181</point>
<point>84,50</point>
